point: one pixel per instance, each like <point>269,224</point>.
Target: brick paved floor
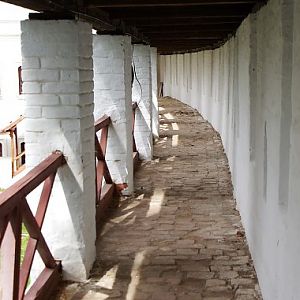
<point>180,237</point>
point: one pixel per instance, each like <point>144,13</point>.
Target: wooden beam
<point>178,47</point>
<point>180,12</point>
<point>189,29</point>
<point>187,35</point>
<point>176,18</point>
<point>51,15</point>
<point>58,8</point>
<point>159,43</point>
<point>131,17</point>
<point>159,3</point>
<point>170,21</point>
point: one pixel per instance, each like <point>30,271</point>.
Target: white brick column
<point>142,94</point>
<point>155,118</point>
<point>58,90</point>
<point>112,78</point>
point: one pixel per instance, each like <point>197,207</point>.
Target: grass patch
<point>24,241</point>
<point>24,237</point>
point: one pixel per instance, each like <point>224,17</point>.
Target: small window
<point>1,153</point>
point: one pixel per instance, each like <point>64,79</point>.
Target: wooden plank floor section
<point>180,237</point>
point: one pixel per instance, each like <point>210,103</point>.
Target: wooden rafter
<point>180,23</point>
<point>159,3</point>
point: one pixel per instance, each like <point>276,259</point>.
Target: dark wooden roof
<point>170,25</point>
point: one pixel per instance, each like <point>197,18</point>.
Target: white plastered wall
<point>11,103</point>
<point>249,90</point>
<point>155,118</point>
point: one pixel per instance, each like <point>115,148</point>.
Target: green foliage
<point>25,238</point>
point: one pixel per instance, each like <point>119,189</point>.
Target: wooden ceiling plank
<point>180,12</point>
<point>185,25</point>
<point>189,28</point>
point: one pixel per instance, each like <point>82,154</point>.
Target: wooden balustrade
<point>14,210</point>
<point>17,157</point>
<point>104,190</point>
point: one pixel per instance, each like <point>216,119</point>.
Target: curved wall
<point>249,89</point>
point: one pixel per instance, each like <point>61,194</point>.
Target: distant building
<point>11,100</point>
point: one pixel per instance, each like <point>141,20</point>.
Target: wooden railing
<point>104,190</point>
<point>17,156</point>
<point>135,152</point>
<point>15,211</point>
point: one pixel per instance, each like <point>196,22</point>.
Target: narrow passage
<point>180,237</point>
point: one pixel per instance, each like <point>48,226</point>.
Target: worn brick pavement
<point>180,237</point>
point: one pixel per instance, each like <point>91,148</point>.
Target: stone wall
<point>249,90</point>
<point>112,79</point>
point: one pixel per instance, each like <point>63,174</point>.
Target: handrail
<point>102,122</point>
<point>11,196</point>
<point>14,210</point>
<point>12,125</point>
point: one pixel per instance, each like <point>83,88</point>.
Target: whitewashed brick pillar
<point>142,94</point>
<point>113,97</point>
<point>58,90</point>
<point>155,118</point>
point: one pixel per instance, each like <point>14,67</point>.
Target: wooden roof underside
<point>173,26</point>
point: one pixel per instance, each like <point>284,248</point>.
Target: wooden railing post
<point>135,152</point>
<point>16,156</point>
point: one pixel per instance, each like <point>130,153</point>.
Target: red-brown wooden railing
<point>14,210</point>
<point>17,157</point>
<point>135,152</point>
<point>105,190</point>
<point>104,193</point>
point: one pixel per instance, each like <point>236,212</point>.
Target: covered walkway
<point>180,237</point>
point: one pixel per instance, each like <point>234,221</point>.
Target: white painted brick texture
<point>112,78</point>
<point>143,96</point>
<point>155,114</point>
<point>58,89</point>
